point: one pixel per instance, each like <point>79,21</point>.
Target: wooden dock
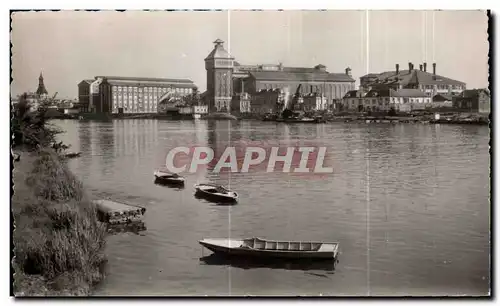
<point>118,213</point>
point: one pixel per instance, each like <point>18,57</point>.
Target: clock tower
<point>219,66</point>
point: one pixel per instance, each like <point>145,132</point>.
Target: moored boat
<point>257,247</point>
<point>299,120</point>
<point>216,192</point>
<point>72,154</point>
<point>168,178</point>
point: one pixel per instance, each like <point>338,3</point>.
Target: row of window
<point>135,98</point>
<point>443,87</point>
<point>135,103</point>
<point>387,101</point>
<point>150,89</point>
<point>133,107</point>
<point>314,88</point>
<point>133,110</point>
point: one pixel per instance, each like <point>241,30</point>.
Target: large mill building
<point>227,79</point>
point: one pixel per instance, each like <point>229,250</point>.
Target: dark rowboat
<point>168,178</point>
<point>257,247</point>
<point>216,192</point>
<point>72,154</point>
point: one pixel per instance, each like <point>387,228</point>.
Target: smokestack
<point>434,68</point>
<point>421,67</point>
<point>397,68</point>
<point>425,67</point>
<point>410,67</point>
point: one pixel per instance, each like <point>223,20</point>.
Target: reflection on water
<point>134,227</point>
<point>256,263</point>
<point>214,201</point>
<point>169,185</point>
<point>416,195</point>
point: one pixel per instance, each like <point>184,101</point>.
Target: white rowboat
<point>271,248</point>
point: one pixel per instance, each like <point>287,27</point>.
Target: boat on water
<point>270,117</point>
<point>72,154</point>
<point>168,178</point>
<point>299,120</point>
<point>275,263</point>
<point>216,192</point>
<point>258,247</point>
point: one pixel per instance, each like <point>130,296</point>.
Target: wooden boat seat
<point>260,244</point>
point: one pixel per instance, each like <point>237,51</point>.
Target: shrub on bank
<point>30,129</point>
<point>58,240</point>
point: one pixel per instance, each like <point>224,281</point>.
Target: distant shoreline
<point>476,119</point>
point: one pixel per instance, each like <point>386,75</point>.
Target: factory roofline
<point>143,79</point>
<point>300,76</point>
<point>405,92</point>
<point>405,77</point>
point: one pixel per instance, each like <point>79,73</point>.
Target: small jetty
<point>118,213</point>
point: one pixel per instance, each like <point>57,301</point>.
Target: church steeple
<point>41,86</point>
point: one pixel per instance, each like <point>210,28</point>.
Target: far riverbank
<point>443,118</point>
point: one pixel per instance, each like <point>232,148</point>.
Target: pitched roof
<point>395,93</point>
<point>219,51</point>
<point>300,69</point>
<point>142,79</point>
<point>472,93</point>
<point>87,81</point>
<point>300,76</point>
<point>354,94</point>
<point>370,75</point>
<point>405,77</point>
<point>378,93</point>
<point>444,96</point>
<point>146,83</point>
<point>407,92</point>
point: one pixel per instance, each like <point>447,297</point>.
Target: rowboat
<point>216,192</point>
<point>72,154</point>
<point>168,178</point>
<point>258,247</point>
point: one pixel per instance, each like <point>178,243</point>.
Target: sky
<point>70,46</point>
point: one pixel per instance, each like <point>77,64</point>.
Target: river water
<point>409,205</point>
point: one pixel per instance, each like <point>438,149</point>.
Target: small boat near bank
<point>215,193</point>
<point>301,120</point>
<point>258,247</point>
<point>72,154</point>
<point>168,178</point>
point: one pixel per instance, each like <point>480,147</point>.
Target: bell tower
<point>41,90</point>
<point>219,66</point>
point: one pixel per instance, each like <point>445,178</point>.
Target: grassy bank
<point>57,238</point>
<point>58,241</point>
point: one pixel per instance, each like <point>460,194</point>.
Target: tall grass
<point>58,239</point>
